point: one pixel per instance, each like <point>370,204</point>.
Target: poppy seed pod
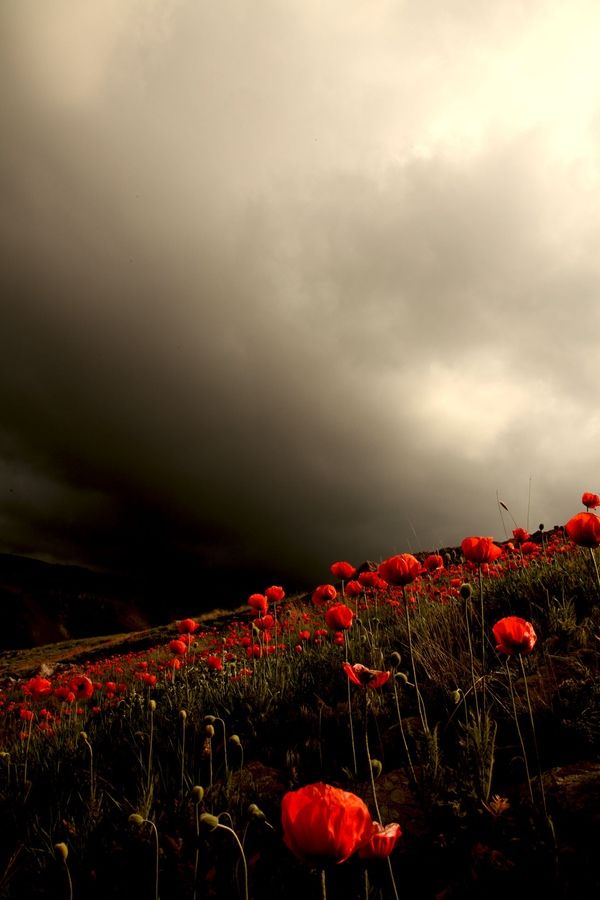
<point>198,793</point>
<point>136,819</point>
<point>209,820</point>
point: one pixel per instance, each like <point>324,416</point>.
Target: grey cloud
<point>226,345</point>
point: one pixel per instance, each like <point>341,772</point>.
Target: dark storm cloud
<point>240,331</point>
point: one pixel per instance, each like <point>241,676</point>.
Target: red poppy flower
<point>528,548</point>
<point>82,687</point>
<point>590,501</point>
<point>584,529</point>
<point>178,647</point>
<point>323,593</point>
<point>382,842</point>
<point>323,823</point>
<point>432,562</point>
<point>365,677</point>
<point>520,535</point>
<point>214,663</point>
<point>342,570</point>
<point>38,687</point>
<point>400,569</point>
<point>480,550</point>
<point>264,622</point>
<point>354,589</point>
<point>187,626</point>
<point>371,580</point>
<point>339,617</point>
<point>274,594</point>
<point>258,602</point>
<point>514,635</point>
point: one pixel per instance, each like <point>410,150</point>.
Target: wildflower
<point>584,529</point>
<point>480,550</point>
<point>354,589</point>
<point>432,562</point>
<point>365,677</point>
<point>342,570</point>
<point>187,626</point>
<point>275,593</point>
<point>400,569</point>
<point>590,501</point>
<point>497,805</point>
<point>214,663</point>
<point>82,687</point>
<point>258,602</point>
<point>382,841</point>
<point>321,823</point>
<point>520,535</point>
<point>339,617</point>
<point>178,647</point>
<point>38,687</point>
<point>323,593</point>
<point>514,635</point>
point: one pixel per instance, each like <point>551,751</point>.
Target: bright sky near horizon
<point>290,282</point>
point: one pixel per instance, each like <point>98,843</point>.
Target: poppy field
<point>425,727</point>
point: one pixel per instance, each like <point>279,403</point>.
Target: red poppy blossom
<point>520,535</point>
<point>480,550</point>
<point>339,617</point>
<point>264,622</point>
<point>323,823</point>
<point>514,635</point>
<point>342,570</point>
<point>82,687</point>
<point>178,647</point>
<point>354,589</point>
<point>38,687</point>
<point>187,626</point>
<point>432,562</point>
<point>323,593</point>
<point>382,841</point>
<point>590,501</point>
<point>584,529</point>
<point>370,579</point>
<point>258,602</point>
<point>400,569</point>
<point>364,677</point>
<point>214,663</point>
<point>274,594</point>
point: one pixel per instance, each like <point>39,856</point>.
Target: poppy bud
<point>182,715</point>
<point>456,696</point>
<point>209,731</point>
<point>83,735</point>
<point>136,819</point>
<point>466,591</point>
<point>61,850</point>
<point>210,719</point>
<point>235,739</point>
<point>401,676</point>
<point>209,820</point>
<point>376,768</point>
<point>253,810</point>
<point>395,659</point>
<point>151,705</point>
<point>198,793</point>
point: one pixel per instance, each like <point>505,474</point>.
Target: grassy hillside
<point>166,756</point>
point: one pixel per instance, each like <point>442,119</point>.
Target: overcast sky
<point>292,281</point>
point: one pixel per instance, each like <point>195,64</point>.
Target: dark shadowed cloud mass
<point>284,283</point>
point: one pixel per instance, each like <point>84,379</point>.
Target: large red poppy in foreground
<point>514,635</point>
<point>322,823</point>
<point>584,529</point>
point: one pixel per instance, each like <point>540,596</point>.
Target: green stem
<point>323,885</point>
<point>535,745</point>
<point>514,706</point>
<point>404,741</point>
<point>420,704</point>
